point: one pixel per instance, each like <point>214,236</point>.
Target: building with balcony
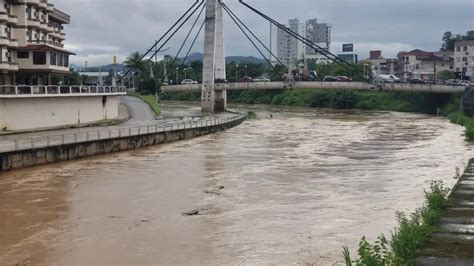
<point>32,43</point>
<point>464,59</point>
<point>424,65</point>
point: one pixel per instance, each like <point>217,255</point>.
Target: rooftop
<point>465,43</point>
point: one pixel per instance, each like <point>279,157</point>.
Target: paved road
<point>141,118</point>
<point>138,110</point>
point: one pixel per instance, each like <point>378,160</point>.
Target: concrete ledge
<point>27,158</point>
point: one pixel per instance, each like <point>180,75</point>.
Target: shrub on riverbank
<point>409,238</point>
<point>337,99</point>
<point>461,119</point>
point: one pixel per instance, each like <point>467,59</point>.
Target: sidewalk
<point>454,243</point>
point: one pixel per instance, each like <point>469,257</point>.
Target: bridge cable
<point>306,41</point>
<point>163,36</point>
<point>231,13</point>
<point>250,39</point>
<point>169,38</point>
<point>186,39</point>
<point>192,44</point>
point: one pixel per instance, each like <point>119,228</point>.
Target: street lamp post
<point>185,73</point>
<point>177,77</point>
<point>236,73</point>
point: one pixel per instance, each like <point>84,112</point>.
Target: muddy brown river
<point>290,189</point>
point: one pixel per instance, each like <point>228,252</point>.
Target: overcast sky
<point>100,29</point>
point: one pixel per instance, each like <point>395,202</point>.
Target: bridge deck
<point>320,85</point>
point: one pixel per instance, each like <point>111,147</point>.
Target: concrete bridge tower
<point>214,59</point>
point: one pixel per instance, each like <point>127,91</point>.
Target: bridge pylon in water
<point>214,59</point>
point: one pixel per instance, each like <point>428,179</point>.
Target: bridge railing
<point>108,133</point>
<point>58,90</point>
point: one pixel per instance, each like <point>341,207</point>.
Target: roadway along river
<point>291,189</point>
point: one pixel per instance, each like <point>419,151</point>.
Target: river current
<point>293,186</point>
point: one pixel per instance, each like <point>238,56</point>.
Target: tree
<point>449,40</point>
<point>446,74</point>
<point>134,61</point>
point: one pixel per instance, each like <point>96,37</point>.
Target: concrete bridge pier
<point>214,59</point>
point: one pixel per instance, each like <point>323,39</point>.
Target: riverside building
<point>32,43</point>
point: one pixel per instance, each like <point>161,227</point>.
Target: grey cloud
<point>101,28</point>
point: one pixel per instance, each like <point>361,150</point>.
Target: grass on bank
<point>412,233</point>
<point>151,101</point>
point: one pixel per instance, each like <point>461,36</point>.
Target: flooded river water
<point>290,189</point>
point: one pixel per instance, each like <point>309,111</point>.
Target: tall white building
<point>290,51</point>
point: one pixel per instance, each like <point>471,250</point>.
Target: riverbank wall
<point>114,141</point>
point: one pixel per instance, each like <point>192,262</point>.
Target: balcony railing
<point>61,15</point>
<point>58,90</point>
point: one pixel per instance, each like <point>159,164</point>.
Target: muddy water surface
<point>291,189</point>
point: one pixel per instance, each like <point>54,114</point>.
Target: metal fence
<point>40,90</point>
<point>108,133</point>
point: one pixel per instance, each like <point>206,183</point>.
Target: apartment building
<point>464,59</point>
<point>290,51</point>
<point>32,43</point>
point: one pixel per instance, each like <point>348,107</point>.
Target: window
<point>60,59</point>
<point>52,58</point>
<point>66,60</point>
<point>465,48</point>
<point>23,55</point>
<point>464,59</point>
<point>458,49</point>
<point>39,58</point>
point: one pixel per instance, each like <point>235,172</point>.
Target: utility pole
<point>152,69</point>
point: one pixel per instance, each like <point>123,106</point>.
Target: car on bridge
<point>417,81</point>
<point>343,79</point>
<point>261,79</point>
<point>330,79</point>
<point>387,79</point>
<point>246,80</point>
<point>188,82</point>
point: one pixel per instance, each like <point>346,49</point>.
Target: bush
<point>411,235</point>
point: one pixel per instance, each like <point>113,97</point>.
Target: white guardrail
<point>39,90</point>
<point>108,133</point>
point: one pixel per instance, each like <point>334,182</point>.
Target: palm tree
<point>134,61</point>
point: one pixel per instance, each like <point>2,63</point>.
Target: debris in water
<point>191,213</point>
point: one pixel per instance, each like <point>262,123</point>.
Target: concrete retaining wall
<point>49,112</point>
<point>28,158</point>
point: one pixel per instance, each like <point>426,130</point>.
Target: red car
<point>343,79</point>
<point>246,79</point>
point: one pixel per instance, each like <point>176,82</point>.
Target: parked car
<point>246,79</point>
<point>330,79</point>
<point>417,81</point>
<point>453,82</point>
<point>343,79</point>
<point>220,81</point>
<point>261,79</point>
<point>188,81</point>
<point>387,78</point>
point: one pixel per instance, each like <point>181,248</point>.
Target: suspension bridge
<point>213,94</point>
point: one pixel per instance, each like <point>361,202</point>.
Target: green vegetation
<point>409,238</point>
<point>446,75</point>
<point>463,120</point>
<point>449,39</point>
<point>338,99</point>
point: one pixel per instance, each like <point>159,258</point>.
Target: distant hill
<point>192,57</point>
<point>229,59</point>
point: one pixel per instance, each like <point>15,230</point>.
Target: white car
<point>261,79</point>
<point>387,78</point>
<point>188,82</point>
